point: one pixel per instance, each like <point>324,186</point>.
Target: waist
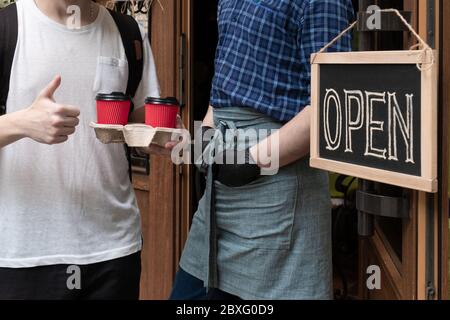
<point>244,118</point>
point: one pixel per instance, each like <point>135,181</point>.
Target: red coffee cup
<point>161,112</point>
<point>113,108</point>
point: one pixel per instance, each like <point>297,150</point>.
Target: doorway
<point>204,49</point>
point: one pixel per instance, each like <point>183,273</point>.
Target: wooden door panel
<point>445,57</point>
<point>387,291</point>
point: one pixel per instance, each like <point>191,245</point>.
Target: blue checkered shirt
<point>263,55</point>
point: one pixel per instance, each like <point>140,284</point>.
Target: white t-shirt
<point>71,203</point>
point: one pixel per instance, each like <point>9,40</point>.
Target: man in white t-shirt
<point>69,222</point>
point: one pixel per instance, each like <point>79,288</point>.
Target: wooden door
<point>443,255</point>
<point>404,248</point>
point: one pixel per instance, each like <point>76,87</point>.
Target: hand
<point>241,171</point>
<point>167,149</point>
<point>48,122</point>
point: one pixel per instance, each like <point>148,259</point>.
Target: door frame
<point>433,210</point>
<point>425,234</point>
<point>445,144</point>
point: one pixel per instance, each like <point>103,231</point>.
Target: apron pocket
<point>260,214</point>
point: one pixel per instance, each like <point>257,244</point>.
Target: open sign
<point>375,116</point>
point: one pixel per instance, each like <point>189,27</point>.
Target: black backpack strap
<point>8,43</point>
<point>132,42</point>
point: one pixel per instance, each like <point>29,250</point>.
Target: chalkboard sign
<point>374,116</point>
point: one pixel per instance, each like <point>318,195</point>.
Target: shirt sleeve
<point>321,22</point>
<point>149,86</point>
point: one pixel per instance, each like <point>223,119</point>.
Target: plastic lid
<point>167,101</point>
<point>113,96</point>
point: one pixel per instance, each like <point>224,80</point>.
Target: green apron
<point>270,239</point>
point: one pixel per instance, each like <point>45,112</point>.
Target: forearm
<point>291,142</point>
<point>10,129</point>
<point>208,121</point>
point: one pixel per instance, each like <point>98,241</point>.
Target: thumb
<point>51,88</point>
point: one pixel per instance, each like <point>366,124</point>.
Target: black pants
<point>110,280</point>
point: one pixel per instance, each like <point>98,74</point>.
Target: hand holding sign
<point>47,121</point>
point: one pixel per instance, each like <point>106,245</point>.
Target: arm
<point>292,140</point>
<point>208,121</point>
<point>10,129</point>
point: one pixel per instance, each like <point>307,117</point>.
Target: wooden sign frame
<point>428,181</point>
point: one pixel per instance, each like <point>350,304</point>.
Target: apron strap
<point>215,146</point>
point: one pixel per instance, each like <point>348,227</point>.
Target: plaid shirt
<point>263,54</point>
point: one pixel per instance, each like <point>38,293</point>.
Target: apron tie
<point>217,144</point>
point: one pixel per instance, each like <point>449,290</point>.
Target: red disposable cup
<point>113,108</point>
<point>161,113</point>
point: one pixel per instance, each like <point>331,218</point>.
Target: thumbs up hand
<point>47,121</point>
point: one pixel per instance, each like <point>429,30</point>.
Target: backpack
<point>129,33</point>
